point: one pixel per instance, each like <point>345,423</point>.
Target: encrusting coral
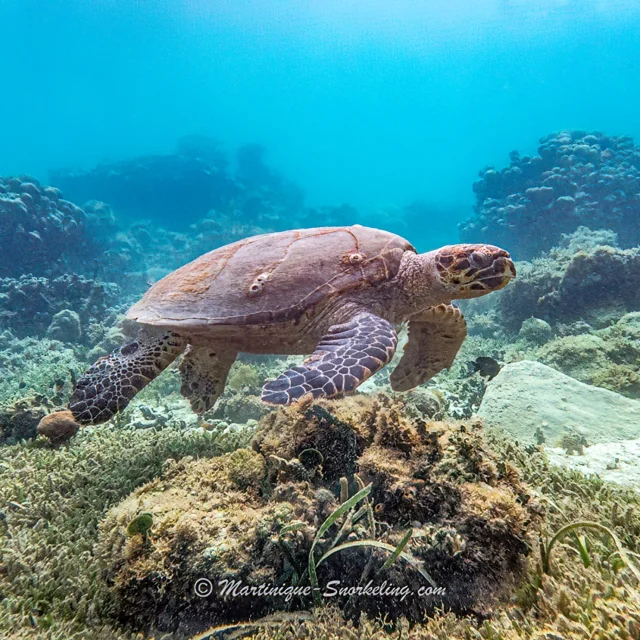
<point>252,516</point>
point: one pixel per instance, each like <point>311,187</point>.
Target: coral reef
<point>162,187</point>
<point>608,357</point>
<point>65,326</point>
<point>580,280</point>
<point>114,525</point>
<point>60,308</point>
<point>577,179</point>
<point>37,367</point>
<point>37,226</point>
<point>252,516</point>
<point>182,188</point>
<point>19,420</point>
<point>535,331</point>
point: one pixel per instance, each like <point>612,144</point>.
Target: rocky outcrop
<point>586,278</point>
<point>252,516</point>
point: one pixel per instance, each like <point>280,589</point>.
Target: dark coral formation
<point>166,187</point>
<point>19,420</point>
<point>61,307</point>
<point>224,519</point>
<point>576,179</point>
<point>37,226</point>
<point>588,278</point>
<point>181,188</point>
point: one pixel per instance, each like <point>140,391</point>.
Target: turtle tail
<point>109,384</point>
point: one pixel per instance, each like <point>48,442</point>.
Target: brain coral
<point>577,178</point>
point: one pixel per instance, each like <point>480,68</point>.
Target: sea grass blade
<point>414,562</point>
<point>598,527</point>
<point>325,526</point>
<point>294,526</point>
<point>398,550</point>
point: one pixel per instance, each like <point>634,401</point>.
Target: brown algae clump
<point>385,497</point>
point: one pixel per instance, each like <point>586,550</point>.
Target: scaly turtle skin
<point>336,292</point>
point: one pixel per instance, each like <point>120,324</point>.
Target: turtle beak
<point>509,272</point>
<point>500,272</point>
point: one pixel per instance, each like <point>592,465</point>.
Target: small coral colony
<point>220,450</point>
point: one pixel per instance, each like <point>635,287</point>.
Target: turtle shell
<point>271,278</point>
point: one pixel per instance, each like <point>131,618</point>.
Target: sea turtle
<point>337,293</point>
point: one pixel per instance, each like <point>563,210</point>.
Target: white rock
<point>529,395</point>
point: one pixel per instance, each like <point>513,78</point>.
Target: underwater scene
<point>320,320</point>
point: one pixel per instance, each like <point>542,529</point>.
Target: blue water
<point>372,103</point>
<point>378,112</point>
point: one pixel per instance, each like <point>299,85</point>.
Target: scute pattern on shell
<point>295,270</point>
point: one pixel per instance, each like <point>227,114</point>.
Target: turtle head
<point>472,270</point>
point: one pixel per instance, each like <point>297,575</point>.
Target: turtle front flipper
<point>108,386</point>
<point>435,336</point>
<point>345,357</point>
<point>204,373</point>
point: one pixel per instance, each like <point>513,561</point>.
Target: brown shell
<point>271,278</point>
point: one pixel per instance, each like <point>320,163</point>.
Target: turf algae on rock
<point>251,516</point>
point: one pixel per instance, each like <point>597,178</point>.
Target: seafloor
<point>509,484</point>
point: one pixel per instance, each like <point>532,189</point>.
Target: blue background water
<point>367,102</point>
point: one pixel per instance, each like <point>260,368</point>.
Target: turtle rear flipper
<point>109,385</point>
<point>344,358</point>
<point>435,336</point>
<point>204,373</point>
